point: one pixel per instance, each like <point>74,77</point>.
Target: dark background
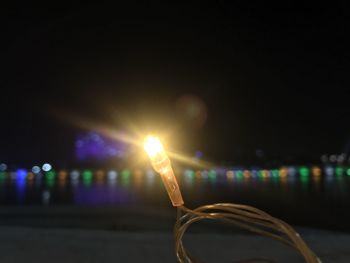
<point>274,78</point>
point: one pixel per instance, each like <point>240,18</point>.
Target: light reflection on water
<point>315,190</point>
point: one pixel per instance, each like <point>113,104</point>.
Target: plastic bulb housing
<point>162,165</point>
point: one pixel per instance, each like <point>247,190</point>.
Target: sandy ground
<point>23,244</point>
<point>73,234</point>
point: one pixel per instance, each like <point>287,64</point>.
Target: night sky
<point>271,80</point>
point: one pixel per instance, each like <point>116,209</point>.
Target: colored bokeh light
<point>3,167</point>
<point>125,176</point>
<point>138,177</point>
<point>283,172</point>
<point>304,171</point>
<point>94,146</point>
<point>275,173</point>
<point>51,175</point>
<point>21,174</point>
<point>316,171</point>
<point>189,176</point>
<point>3,176</point>
<point>46,167</point>
<point>62,175</point>
<point>212,175</point>
<point>348,171</point>
<point>339,171</point>
<point>30,176</point>
<point>292,171</point>
<point>329,170</point>
<point>36,169</point>
<point>87,175</point>
<point>112,175</point>
<point>230,175</point>
<point>74,175</point>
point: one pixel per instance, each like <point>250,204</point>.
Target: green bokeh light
<point>2,176</point>
<point>87,177</point>
<point>50,175</point>
<point>348,171</point>
<point>261,174</point>
<point>212,175</point>
<point>339,171</point>
<point>304,182</point>
<point>125,177</point>
<point>189,176</point>
<point>304,171</point>
<point>239,174</point>
<point>275,173</point>
<point>50,181</point>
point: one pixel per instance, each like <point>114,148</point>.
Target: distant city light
<point>255,173</point>
<point>205,174</point>
<point>341,158</point>
<point>21,174</point>
<point>190,176</point>
<point>62,175</point>
<point>3,167</point>
<point>100,174</point>
<point>304,171</point>
<point>188,173</point>
<point>125,176</point>
<point>316,171</point>
<point>2,176</point>
<point>329,171</point>
<point>348,171</point>
<point>125,173</point>
<point>230,175</point>
<point>339,171</point>
<point>283,172</point>
<point>238,173</point>
<point>333,158</point>
<point>212,175</point>
<point>87,175</point>
<point>74,175</point>
<point>112,175</point>
<point>292,171</point>
<point>50,175</point>
<point>275,173</point>
<point>46,167</point>
<point>13,175</point>
<point>36,169</point>
<point>30,176</point>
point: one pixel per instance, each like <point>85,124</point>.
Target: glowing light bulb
<point>153,146</point>
<point>161,164</point>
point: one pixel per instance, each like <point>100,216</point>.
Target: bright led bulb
<point>153,146</point>
<point>161,163</point>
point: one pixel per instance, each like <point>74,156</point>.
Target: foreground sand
<point>26,244</point>
<point>67,234</point>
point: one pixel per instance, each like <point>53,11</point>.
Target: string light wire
<point>242,216</point>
